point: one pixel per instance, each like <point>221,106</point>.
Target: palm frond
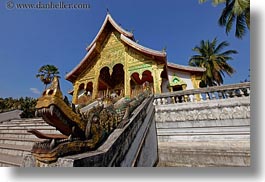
<point>220,47</point>
<point>240,26</point>
<point>240,6</point>
<point>229,52</point>
<point>225,14</point>
<point>247,17</point>
<point>214,2</point>
<point>229,23</point>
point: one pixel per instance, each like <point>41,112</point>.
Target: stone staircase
<point>16,142</point>
<point>204,143</point>
<point>213,130</point>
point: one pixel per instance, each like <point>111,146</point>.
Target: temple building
<point>116,65</point>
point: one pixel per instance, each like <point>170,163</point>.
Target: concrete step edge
<point>16,147</point>
<point>15,161</point>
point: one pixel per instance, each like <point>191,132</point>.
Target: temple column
<point>75,94</point>
<point>110,70</point>
<point>127,76</point>
<point>95,89</point>
<point>127,86</point>
<point>95,86</point>
<point>85,86</point>
<point>193,80</point>
<point>184,87</point>
<point>157,70</point>
<point>195,84</point>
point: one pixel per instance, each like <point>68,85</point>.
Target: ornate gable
<point>113,43</point>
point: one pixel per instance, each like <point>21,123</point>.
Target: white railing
<point>204,94</point>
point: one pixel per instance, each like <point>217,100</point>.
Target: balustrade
<point>204,94</point>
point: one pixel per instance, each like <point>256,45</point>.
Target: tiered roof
<point>126,37</point>
<point>185,68</point>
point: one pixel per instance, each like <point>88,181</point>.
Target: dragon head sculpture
<point>80,132</point>
<point>52,107</point>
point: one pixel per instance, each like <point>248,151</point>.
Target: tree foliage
<point>235,12</point>
<point>46,74</point>
<point>27,105</point>
<point>213,60</point>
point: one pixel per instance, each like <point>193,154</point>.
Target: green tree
<point>28,107</point>
<point>46,74</point>
<point>235,12</point>
<point>213,60</point>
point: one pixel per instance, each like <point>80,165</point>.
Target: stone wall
<point>212,132</point>
<point>10,115</point>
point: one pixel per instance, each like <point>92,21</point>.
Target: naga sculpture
<point>80,132</point>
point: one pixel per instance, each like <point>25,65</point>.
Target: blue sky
<point>32,38</point>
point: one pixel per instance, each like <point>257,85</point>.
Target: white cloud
<point>35,91</point>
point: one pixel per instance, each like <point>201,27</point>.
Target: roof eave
<point>151,52</point>
<point>186,68</point>
<point>71,76</point>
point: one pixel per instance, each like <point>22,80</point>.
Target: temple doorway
<point>139,83</point>
<point>111,82</point>
<point>85,93</point>
<point>177,88</point>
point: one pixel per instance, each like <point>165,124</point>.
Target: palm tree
<point>235,11</point>
<point>213,60</point>
<point>46,74</point>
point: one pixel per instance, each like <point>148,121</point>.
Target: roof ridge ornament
<point>109,19</point>
<point>164,49</point>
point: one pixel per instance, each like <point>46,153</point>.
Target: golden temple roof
<point>110,20</point>
<point>125,36</point>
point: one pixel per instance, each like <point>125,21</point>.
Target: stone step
<point>27,120</point>
<point>24,130</point>
<point>209,123</point>
<point>26,127</point>
<point>203,130</point>
<point>17,135</point>
<point>15,141</point>
<point>31,119</point>
<point>19,141</point>
<point>204,154</point>
<point>10,160</point>
<point>205,137</point>
<point>204,133</point>
<point>16,150</point>
<point>24,124</point>
<point>21,135</point>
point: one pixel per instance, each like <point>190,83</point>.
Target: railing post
<point>207,96</point>
<point>220,95</point>
<point>241,93</point>
<point>173,99</point>
<point>248,91</point>
<point>213,95</point>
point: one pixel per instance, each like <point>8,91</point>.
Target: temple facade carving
<point>116,65</point>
